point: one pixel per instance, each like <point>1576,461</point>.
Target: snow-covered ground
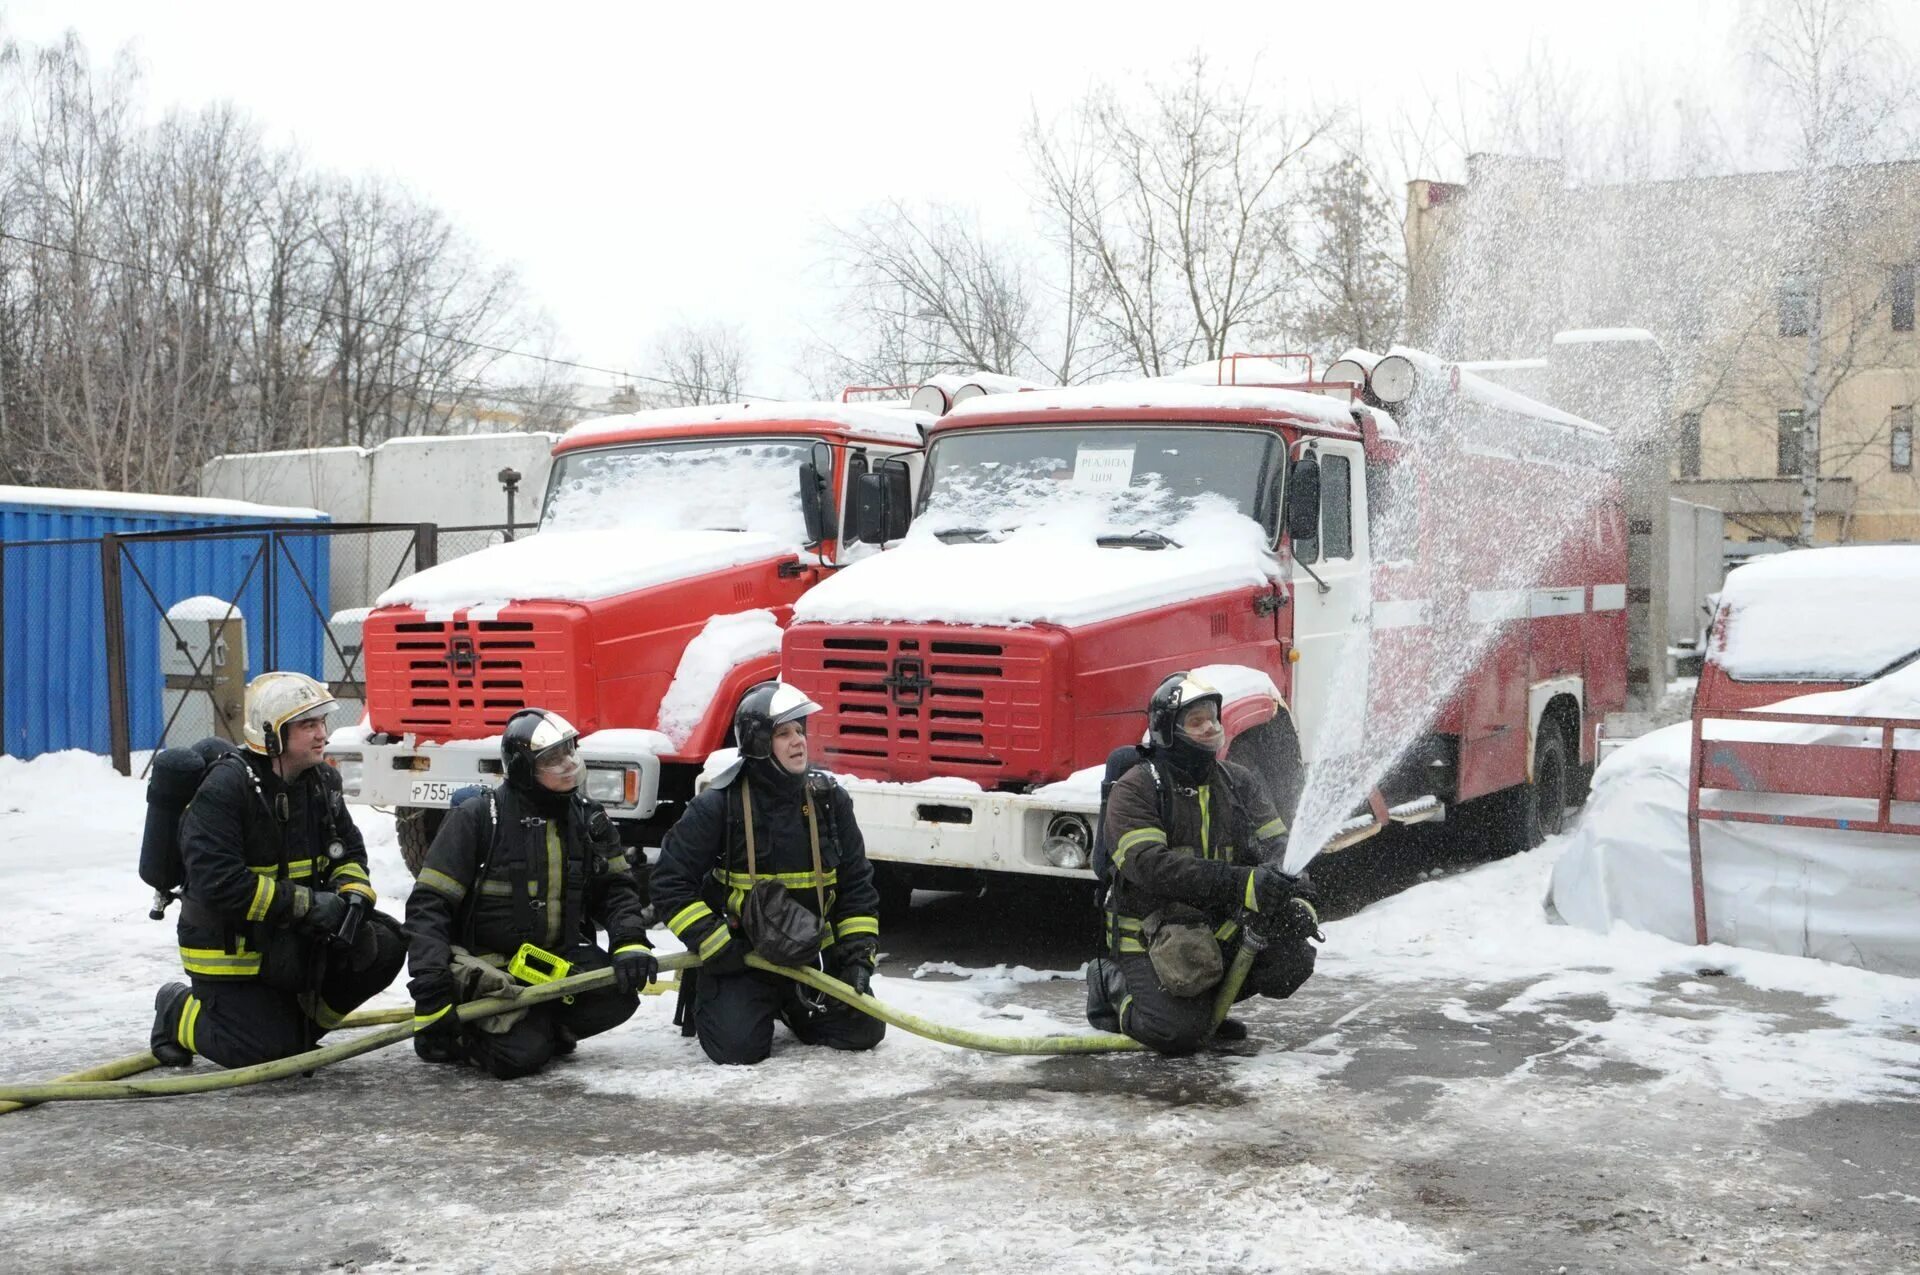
<point>1463,1085</point>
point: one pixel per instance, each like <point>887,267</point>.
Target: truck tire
<point>415,826</point>
<point>1521,817</point>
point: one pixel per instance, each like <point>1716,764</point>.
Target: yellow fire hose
<point>108,1079</point>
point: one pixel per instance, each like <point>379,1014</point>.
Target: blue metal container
<point>53,666</point>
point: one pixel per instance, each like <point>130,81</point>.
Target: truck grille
<point>911,702</point>
<point>462,679</point>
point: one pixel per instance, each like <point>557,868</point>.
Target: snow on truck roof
<point>1167,393</point>
<point>1481,390</point>
<point>1841,614</point>
<point>900,425</point>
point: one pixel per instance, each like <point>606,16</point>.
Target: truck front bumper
<point>428,775</point>
<point>930,825</point>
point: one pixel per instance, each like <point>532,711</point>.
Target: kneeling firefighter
<point>769,860</point>
<point>510,894</point>
<point>1194,848</point>
<point>277,928</point>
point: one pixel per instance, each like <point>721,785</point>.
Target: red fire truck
<point>1072,547</point>
<point>672,546</point>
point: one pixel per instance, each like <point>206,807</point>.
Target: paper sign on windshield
<point>1103,468</point>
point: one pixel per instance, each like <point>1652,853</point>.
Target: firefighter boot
<point>1230,1030</point>
<point>1106,987</point>
<point>168,1002</point>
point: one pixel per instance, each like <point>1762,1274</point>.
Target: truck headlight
<point>609,785</point>
<point>1069,842</point>
<point>352,770</point>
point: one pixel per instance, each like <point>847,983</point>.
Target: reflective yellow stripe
<point>496,889</point>
<point>687,915</point>
<point>205,960</point>
<point>715,941</point>
<point>619,863</point>
<point>262,899</point>
<point>631,947</point>
<point>350,870</point>
<point>792,880</point>
<point>1130,945</point>
<point>295,868</point>
<point>858,925</point>
<point>1138,837</point>
<point>1271,828</point>
<point>358,887</point>
<point>440,883</point>
<point>1253,904</point>
<point>1227,930</point>
<point>1205,851</point>
<point>1312,911</point>
<point>189,1019</point>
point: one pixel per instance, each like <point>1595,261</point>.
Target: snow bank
<point>726,642</point>
<point>627,741</point>
<point>576,566</point>
<point>892,424</point>
<point>1848,897</point>
<point>1840,614</point>
<point>141,502</point>
<point>1053,574</point>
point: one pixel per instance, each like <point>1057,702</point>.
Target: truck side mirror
<point>1303,499</point>
<point>815,474</point>
<point>883,507</point>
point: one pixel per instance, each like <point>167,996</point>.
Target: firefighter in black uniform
<point>768,817</point>
<point>275,884</point>
<point>1196,846</point>
<point>534,864</point>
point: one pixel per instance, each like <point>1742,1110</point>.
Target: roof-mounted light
<point>1392,380</point>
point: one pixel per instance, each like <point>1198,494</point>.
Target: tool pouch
<point>1185,954</point>
<point>778,928</point>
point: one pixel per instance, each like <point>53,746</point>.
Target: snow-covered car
<point>1772,882</point>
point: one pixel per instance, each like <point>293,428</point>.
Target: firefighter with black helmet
<point>769,860</point>
<point>277,928</point>
<point>1195,850</point>
<point>512,890</point>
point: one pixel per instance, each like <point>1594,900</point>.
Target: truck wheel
<point>416,827</point>
<point>1551,788</point>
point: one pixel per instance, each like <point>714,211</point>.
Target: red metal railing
<point>1883,775</point>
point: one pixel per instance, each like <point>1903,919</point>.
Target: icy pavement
<point>1462,1087</point>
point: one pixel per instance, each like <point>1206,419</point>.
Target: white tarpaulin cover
<point>1846,896</point>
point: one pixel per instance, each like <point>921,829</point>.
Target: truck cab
<point>671,548</point>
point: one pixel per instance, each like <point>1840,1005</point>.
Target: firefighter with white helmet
<point>769,860</point>
<point>277,929</point>
<point>1195,847</point>
<point>513,891</point>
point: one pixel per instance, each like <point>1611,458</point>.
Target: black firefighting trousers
<point>1175,1025</point>
<point>733,1016</point>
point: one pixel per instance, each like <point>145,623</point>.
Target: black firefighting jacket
<point>500,874</point>
<point>701,881</point>
<point>1201,851</point>
<point>254,847</point>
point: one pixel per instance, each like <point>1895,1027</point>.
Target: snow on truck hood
<point>1037,576</point>
<point>577,566</point>
<point>1836,614</point>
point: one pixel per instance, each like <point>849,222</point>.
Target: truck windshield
<point>1134,484</point>
<point>731,484</point>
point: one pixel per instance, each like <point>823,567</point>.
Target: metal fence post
<point>426,545</point>
<point>119,727</point>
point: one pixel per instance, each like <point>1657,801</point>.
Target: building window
<point>1795,302</point>
<point>1903,440</point>
<point>1793,427</point>
<point>1900,290</point>
<point>1690,445</point>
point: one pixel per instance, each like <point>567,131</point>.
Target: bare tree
<point>697,363</point>
<point>1178,212</point>
<point>1350,260</point>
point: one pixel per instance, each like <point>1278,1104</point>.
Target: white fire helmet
<point>276,701</point>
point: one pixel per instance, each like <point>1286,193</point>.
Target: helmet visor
<point>557,759</point>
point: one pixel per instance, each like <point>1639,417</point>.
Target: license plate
<point>432,792</point>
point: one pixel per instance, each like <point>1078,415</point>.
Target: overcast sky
<point>644,163</point>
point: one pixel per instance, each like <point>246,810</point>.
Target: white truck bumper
<point>929,825</point>
<point>407,774</point>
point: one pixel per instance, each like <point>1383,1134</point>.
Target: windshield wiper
<point>978,535</point>
<point>1897,665</point>
<point>1139,540</point>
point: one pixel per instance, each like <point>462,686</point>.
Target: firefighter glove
<point>323,914</point>
<point>1269,890</point>
<point>634,967</point>
<point>854,966</point>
